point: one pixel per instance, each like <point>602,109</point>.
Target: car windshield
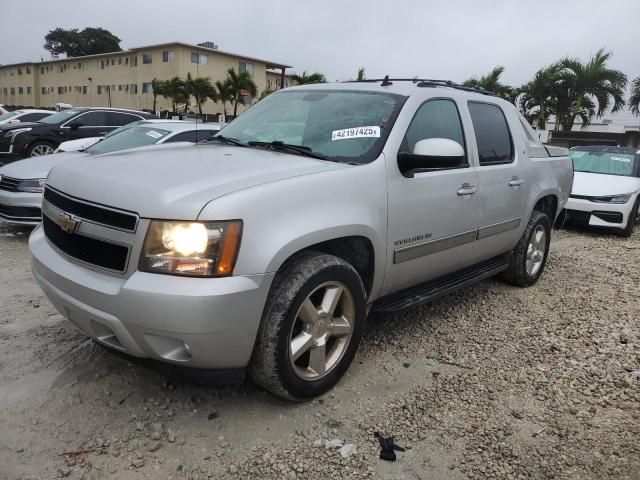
<point>8,115</point>
<point>128,138</point>
<point>59,117</point>
<point>339,125</point>
<point>609,163</point>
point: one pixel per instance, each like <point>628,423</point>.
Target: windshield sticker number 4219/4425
<point>357,132</point>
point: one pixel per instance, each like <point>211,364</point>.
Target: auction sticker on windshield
<point>357,132</point>
<point>153,134</point>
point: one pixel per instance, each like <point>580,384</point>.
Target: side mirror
<point>431,154</point>
<point>74,125</point>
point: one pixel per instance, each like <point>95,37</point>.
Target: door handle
<point>467,189</point>
<point>515,182</point>
<point>102,134</point>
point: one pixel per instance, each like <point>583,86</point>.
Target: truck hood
<point>599,185</point>
<point>176,181</point>
<point>37,167</point>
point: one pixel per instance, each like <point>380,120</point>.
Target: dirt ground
<point>491,382</point>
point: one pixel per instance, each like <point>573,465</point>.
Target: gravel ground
<point>491,382</point>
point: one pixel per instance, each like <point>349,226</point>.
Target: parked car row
<point>21,182</point>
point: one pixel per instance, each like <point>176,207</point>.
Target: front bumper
<point>587,213</point>
<point>20,207</point>
<point>201,323</point>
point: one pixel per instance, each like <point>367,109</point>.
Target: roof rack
<point>425,82</point>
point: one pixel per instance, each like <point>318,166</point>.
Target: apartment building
<point>123,79</point>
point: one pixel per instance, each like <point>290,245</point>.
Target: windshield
<point>8,115</point>
<point>128,138</point>
<point>340,125</point>
<point>59,117</point>
<point>609,163</point>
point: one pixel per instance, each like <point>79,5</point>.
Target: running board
<point>433,289</point>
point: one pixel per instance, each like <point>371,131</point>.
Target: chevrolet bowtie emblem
<point>67,223</point>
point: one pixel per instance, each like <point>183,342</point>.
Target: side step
<point>433,289</point>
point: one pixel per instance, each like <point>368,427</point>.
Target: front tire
<point>530,255</point>
<point>311,327</point>
<point>627,231</point>
<point>37,149</point>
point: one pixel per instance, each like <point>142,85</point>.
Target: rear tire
<point>627,231</point>
<point>315,313</point>
<point>37,149</point>
<point>530,255</point>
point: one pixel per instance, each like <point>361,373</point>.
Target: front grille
<point>9,184</point>
<point>87,249</point>
<point>611,217</point>
<point>94,213</point>
<point>20,213</point>
<point>578,217</point>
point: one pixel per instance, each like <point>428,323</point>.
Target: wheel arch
<point>548,204</point>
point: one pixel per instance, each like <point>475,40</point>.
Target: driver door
<point>90,124</point>
<point>432,217</point>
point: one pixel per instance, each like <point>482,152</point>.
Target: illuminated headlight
<point>35,185</point>
<point>12,133</point>
<point>613,199</point>
<point>196,249</point>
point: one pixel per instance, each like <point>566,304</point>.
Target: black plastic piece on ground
<point>388,447</point>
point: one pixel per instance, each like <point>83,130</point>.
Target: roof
<point>178,125</point>
<point>606,148</point>
<point>269,63</point>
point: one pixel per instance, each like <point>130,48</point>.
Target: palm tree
<point>201,89</point>
<point>634,100</point>
<point>224,93</point>
<point>588,89</point>
<point>537,99</point>
<point>240,83</point>
<point>176,90</point>
<point>311,78</point>
<point>362,74</point>
<point>491,82</point>
<point>158,87</point>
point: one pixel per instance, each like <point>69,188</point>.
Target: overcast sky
<point>451,39</point>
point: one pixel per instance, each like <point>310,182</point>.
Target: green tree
<point>240,82</point>
<point>308,78</point>
<point>176,90</point>
<point>634,100</point>
<point>362,74</point>
<point>585,90</point>
<point>201,89</point>
<point>491,82</point>
<point>225,94</point>
<point>159,88</point>
<point>75,43</point>
<point>537,97</point>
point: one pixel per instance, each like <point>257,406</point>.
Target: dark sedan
<point>41,138</point>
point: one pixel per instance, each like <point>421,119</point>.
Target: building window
<point>99,89</point>
<point>61,90</point>
<point>4,90</point>
<point>19,71</point>
<point>20,91</point>
<point>100,64</point>
<point>133,88</point>
<point>113,61</point>
<point>167,56</point>
<point>28,70</point>
<point>28,90</point>
<point>246,67</point>
<point>146,58</point>
<point>134,61</point>
<point>44,91</point>
<point>199,58</point>
<point>146,87</point>
<point>42,70</point>
<point>13,90</point>
<point>85,89</point>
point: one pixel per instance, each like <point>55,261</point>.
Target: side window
<point>191,136</point>
<point>33,117</point>
<point>117,119</point>
<point>435,119</point>
<point>90,119</point>
<point>492,134</point>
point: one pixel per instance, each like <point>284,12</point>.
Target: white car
<point>606,188</point>
<point>21,182</point>
<point>83,143</point>
<point>24,115</point>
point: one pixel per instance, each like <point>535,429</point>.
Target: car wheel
<point>311,327</point>
<point>38,149</point>
<point>530,255</point>
<point>627,231</point>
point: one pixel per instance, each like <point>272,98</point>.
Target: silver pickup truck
<point>266,247</point>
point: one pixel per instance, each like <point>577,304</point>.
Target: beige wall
<point>67,80</point>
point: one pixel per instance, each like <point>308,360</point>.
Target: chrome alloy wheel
<point>40,150</point>
<point>536,250</point>
<point>322,331</point>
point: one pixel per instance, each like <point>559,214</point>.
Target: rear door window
<point>116,119</point>
<point>90,119</point>
<point>493,137</point>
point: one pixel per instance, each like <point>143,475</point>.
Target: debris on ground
<point>388,447</point>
